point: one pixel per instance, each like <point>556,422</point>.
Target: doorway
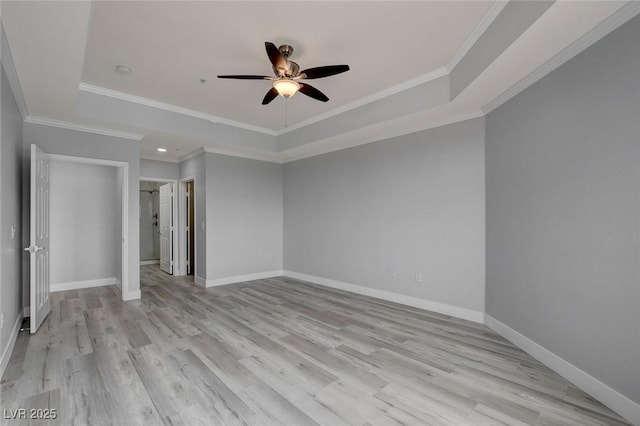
<point>189,231</point>
<point>187,235</point>
<point>158,212</point>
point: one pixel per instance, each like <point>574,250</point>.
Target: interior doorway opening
<point>189,231</point>
<point>187,235</point>
<point>158,213</point>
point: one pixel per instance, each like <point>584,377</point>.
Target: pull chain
<point>286,112</point>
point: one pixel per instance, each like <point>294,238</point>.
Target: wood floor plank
<point>277,351</point>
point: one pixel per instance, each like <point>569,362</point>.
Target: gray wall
<point>244,216</point>
<point>159,169</point>
<point>83,220</point>
<point>10,210</point>
<point>82,144</point>
<point>195,168</point>
<point>414,203</point>
<point>563,187</point>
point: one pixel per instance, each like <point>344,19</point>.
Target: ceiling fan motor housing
<point>286,50</point>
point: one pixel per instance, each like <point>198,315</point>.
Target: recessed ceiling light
<point>162,149</point>
<point>121,69</point>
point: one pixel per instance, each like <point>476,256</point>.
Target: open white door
<point>39,242</point>
<point>166,228</point>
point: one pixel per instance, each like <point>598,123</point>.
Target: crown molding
<point>422,79</point>
<point>266,156</point>
<point>165,160</point>
<point>127,97</point>
<point>271,158</point>
<point>340,142</point>
<point>330,145</point>
<point>615,20</point>
<point>82,128</point>
<point>477,32</point>
<point>191,154</point>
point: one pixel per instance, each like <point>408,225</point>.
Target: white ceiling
<point>170,45</point>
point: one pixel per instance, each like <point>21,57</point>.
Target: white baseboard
<point>429,305</point>
<point>200,281</point>
<point>239,278</point>
<point>131,295</point>
<point>6,354</point>
<point>603,393</point>
<point>75,285</point>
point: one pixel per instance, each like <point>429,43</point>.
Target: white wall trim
<point>127,97</point>
<point>401,87</point>
<point>164,160</point>
<point>429,305</point>
<point>132,295</point>
<point>159,180</point>
<point>82,128</point>
<point>242,278</point>
<point>614,21</point>
<point>608,396</point>
<point>149,262</point>
<point>199,281</point>
<point>340,142</point>
<point>6,354</point>
<point>76,285</point>
<point>85,160</point>
<point>191,154</point>
<point>493,12</point>
<point>272,157</point>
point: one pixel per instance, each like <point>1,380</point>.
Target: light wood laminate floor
<point>277,351</point>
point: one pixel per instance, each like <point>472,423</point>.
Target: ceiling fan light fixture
<point>286,87</point>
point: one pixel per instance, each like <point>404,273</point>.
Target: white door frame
<point>182,224</point>
<point>124,285</point>
<point>177,268</point>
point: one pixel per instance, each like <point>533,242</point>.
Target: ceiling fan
<point>286,81</point>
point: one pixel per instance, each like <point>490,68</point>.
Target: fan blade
<point>312,92</point>
<point>277,60</point>
<point>326,71</point>
<point>247,77</point>
<point>271,95</point>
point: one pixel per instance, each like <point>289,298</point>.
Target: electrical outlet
<point>13,232</point>
<point>393,273</point>
<point>418,277</point>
